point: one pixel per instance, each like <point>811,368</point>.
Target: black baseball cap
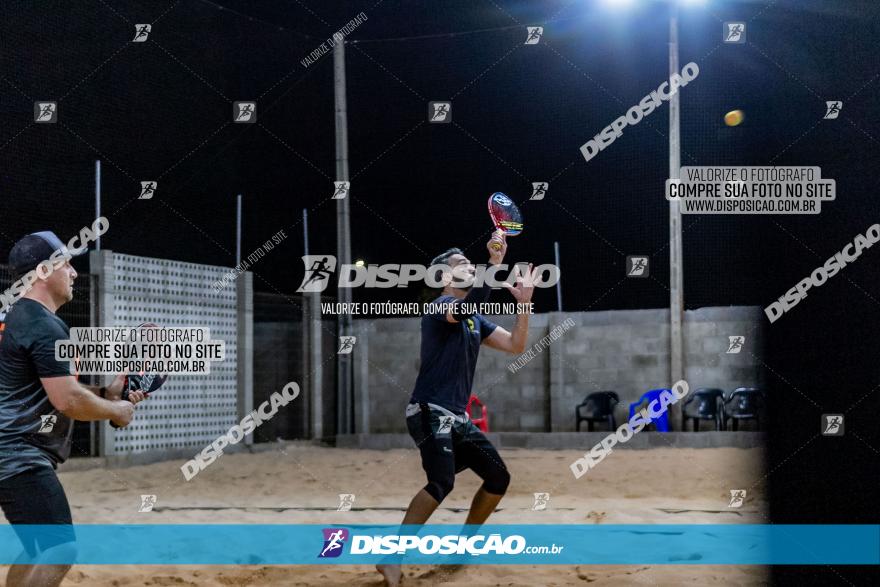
<point>33,249</point>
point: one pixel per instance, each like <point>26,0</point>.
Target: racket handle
<point>495,242</point>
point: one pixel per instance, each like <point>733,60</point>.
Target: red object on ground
<point>483,421</point>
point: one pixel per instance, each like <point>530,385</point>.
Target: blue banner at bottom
<point>554,544</point>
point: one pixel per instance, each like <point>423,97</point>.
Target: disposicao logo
<point>334,541</point>
<point>320,268</point>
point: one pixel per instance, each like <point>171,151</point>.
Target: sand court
<point>297,483</point>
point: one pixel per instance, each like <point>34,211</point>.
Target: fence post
<point>104,298</point>
<point>362,377</point>
<point>556,375</point>
<point>244,302</point>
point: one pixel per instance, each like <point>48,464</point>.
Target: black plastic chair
<point>598,407</point>
<point>743,403</point>
<point>708,407</point>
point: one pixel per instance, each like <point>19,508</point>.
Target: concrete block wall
<point>518,400</point>
<point>385,373</point>
<point>706,341</point>
<point>626,351</point>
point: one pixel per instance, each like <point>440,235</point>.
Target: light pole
<point>676,285</point>
<point>344,397</point>
<point>676,291</point>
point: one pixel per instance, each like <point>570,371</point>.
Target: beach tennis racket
<point>505,215</point>
<point>146,381</point>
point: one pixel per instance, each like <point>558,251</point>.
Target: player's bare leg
<point>482,506</point>
<point>391,574</point>
<point>24,575</point>
<point>33,575</point>
<point>420,509</point>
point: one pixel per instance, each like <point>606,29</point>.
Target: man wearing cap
<point>39,399</point>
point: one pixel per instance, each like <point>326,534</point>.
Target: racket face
<point>146,382</point>
<point>505,214</point>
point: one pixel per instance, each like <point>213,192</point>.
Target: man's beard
<point>68,292</point>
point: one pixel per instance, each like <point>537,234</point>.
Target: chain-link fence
<point>519,113</point>
<point>280,347</point>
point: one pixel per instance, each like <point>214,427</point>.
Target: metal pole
<point>676,293</point>
<point>345,403</point>
<point>558,282</point>
<point>98,199</point>
<point>314,370</point>
<point>238,231</point>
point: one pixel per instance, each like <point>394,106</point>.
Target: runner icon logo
<point>346,500</point>
<point>735,344</point>
<point>832,424</point>
<point>737,497</point>
<point>141,32</point>
<point>445,425</point>
<point>541,501</point>
<point>539,190</point>
<point>534,35</point>
<point>334,541</point>
<point>47,423</point>
<point>147,503</point>
<point>439,112</point>
<point>734,32</point>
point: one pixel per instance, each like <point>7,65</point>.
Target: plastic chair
<point>483,421</point>
<point>599,407</point>
<point>707,408</point>
<point>743,403</point>
<point>661,423</point>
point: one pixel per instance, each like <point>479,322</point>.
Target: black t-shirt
<point>32,432</point>
<point>449,357</point>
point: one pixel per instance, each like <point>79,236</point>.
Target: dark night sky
<point>162,110</point>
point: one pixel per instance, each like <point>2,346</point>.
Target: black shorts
<point>447,451</point>
<point>34,497</point>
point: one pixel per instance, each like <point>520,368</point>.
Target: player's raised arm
<point>515,342</point>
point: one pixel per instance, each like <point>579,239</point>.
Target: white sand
<point>630,486</point>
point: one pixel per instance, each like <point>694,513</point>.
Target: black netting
<point>161,110</point>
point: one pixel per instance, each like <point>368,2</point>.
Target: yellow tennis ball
<point>734,117</point>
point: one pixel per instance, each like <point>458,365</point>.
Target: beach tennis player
<point>39,399</point>
<point>447,440</point>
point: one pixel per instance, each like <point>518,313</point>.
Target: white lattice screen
<point>190,411</point>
